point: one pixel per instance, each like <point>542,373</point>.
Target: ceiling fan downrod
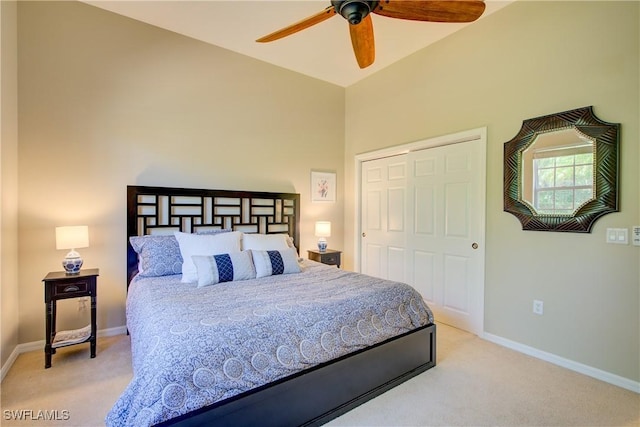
<point>354,11</point>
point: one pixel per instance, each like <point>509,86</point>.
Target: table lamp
<point>72,237</point>
<point>323,230</point>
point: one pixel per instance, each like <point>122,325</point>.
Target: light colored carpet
<point>476,383</point>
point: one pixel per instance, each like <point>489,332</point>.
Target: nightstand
<point>329,256</point>
<point>59,285</point>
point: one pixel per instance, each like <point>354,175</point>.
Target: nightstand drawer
<point>330,259</point>
<point>71,288</point>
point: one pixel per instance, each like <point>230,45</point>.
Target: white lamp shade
<point>323,229</point>
<point>72,237</point>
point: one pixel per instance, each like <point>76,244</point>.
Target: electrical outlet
<point>82,304</point>
<point>538,307</point>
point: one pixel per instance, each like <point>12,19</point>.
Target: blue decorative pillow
<point>223,268</point>
<point>269,263</point>
<point>157,255</point>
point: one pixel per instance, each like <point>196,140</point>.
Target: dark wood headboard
<point>163,210</point>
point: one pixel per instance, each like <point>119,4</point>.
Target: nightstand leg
<point>93,325</point>
<point>54,316</point>
<point>47,347</point>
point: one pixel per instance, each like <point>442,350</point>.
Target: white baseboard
<point>9,363</point>
<point>119,330</point>
<point>39,345</point>
<point>599,374</point>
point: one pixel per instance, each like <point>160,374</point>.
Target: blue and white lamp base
<point>322,244</point>
<point>72,263</point>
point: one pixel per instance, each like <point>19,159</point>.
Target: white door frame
<point>439,141</point>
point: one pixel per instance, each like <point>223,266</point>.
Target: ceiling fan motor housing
<point>354,11</point>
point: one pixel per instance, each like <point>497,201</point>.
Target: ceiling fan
<point>358,14</point>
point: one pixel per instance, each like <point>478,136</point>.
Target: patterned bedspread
<point>193,346</point>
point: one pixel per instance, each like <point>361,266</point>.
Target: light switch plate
<point>619,236</point>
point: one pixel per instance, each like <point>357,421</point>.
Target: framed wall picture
<point>323,186</point>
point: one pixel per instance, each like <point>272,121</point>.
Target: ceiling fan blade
<point>363,42</point>
<point>432,10</point>
<point>299,26</point>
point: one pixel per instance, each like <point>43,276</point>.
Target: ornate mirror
<point>561,171</point>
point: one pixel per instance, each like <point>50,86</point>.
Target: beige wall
<point>8,181</point>
<point>528,60</point>
<point>107,101</point>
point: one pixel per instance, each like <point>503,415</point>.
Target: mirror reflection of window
<point>558,172</point>
<point>562,183</point>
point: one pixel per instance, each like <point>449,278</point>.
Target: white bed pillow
<point>224,268</point>
<point>265,242</point>
<point>268,263</point>
<point>204,244</point>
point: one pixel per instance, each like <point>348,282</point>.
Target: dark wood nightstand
<point>59,285</point>
<point>329,256</point>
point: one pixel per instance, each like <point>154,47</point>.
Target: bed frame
<point>311,397</point>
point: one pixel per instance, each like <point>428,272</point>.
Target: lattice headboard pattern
<point>163,210</point>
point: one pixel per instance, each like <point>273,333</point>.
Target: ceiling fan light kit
<point>358,14</point>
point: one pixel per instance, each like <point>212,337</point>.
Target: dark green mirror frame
<point>604,199</point>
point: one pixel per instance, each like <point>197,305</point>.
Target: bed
<point>298,348</point>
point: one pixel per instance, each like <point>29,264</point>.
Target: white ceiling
<point>322,51</point>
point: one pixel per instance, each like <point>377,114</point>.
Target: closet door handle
<point>364,234</point>
<point>474,245</point>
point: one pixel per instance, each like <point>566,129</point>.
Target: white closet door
<point>446,233</point>
<point>384,218</point>
<point>423,224</point>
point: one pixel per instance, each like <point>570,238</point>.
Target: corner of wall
<point>8,183</point>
